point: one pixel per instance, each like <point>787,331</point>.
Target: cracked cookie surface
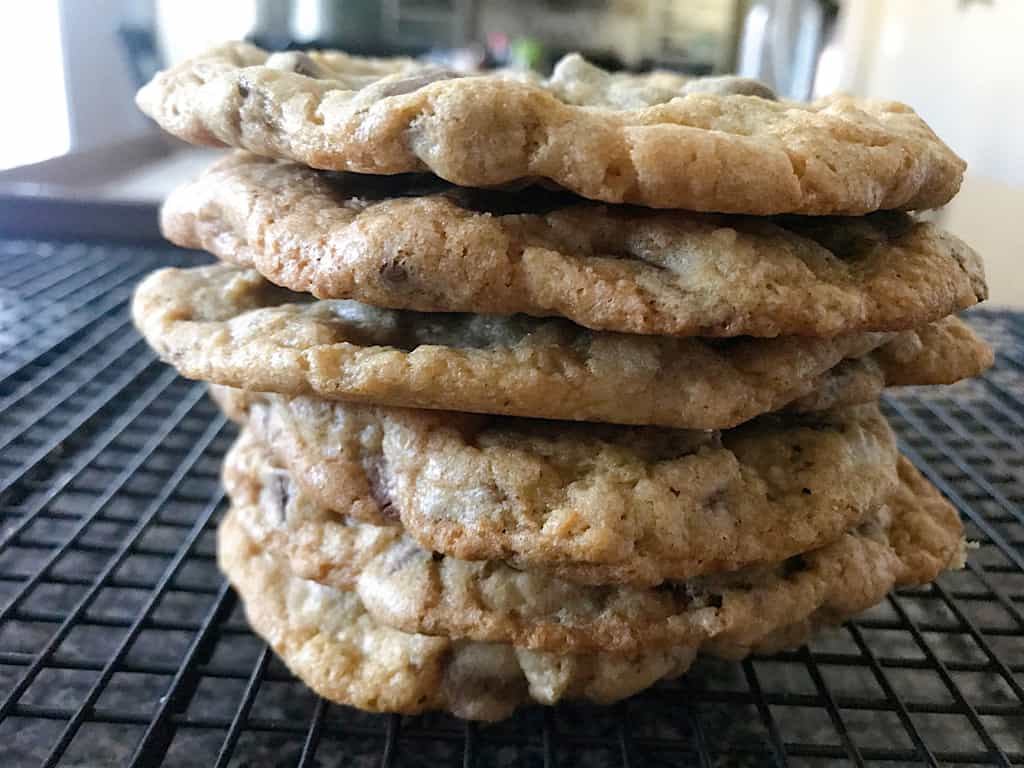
<point>591,503</point>
<point>327,638</point>
<point>911,536</point>
<point>656,140</point>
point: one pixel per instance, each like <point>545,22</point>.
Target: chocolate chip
<point>692,595</point>
<point>714,502</point>
<point>399,558</point>
<point>730,85</point>
<point>297,62</point>
<point>414,82</point>
<point>376,479</point>
<point>277,493</point>
<point>243,90</point>
<point>393,272</point>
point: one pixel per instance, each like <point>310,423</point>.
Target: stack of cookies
<point>548,386</point>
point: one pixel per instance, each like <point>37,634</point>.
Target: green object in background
<point>526,53</point>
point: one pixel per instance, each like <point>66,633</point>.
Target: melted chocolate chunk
<point>730,85</point>
<point>376,478</point>
<point>393,272</point>
<point>413,82</point>
<point>399,558</point>
<point>298,62</point>
<point>277,489</point>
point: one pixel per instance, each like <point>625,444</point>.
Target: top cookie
<point>419,243</point>
<point>721,144</point>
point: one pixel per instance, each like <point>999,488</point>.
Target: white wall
<point>188,27</point>
<point>98,76</point>
<point>35,125</point>
<point>959,64</point>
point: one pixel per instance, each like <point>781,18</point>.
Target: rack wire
<point>120,644</point>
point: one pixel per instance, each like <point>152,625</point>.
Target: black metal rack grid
<point>121,645</point>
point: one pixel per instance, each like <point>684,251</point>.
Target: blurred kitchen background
<point>76,157</point>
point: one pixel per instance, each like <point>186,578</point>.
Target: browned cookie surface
<point>230,326</point>
<point>908,539</point>
<point>593,503</point>
<point>408,243</point>
<point>719,144</point>
<point>327,638</point>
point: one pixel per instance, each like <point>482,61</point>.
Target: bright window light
<point>32,82</point>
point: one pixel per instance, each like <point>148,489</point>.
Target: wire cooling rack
<point>121,645</point>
